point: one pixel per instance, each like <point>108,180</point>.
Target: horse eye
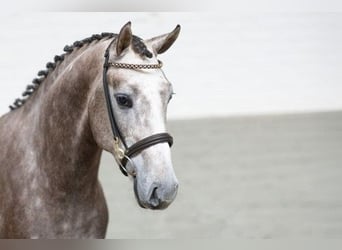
<point>124,100</point>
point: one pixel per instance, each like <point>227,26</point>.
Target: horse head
<point>130,102</point>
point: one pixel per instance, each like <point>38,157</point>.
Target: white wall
<point>222,64</point>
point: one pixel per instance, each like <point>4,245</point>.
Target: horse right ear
<point>124,38</point>
<point>162,43</point>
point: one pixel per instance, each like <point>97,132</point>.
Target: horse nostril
<point>154,193</point>
<point>154,199</point>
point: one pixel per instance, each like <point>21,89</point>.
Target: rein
<point>123,153</point>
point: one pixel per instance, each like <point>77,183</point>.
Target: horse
<point>105,92</point>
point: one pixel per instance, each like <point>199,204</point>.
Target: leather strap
<point>113,123</point>
<point>146,143</point>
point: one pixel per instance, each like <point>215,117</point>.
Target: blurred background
<point>257,118</point>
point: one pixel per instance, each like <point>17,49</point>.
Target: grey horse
<point>51,141</point>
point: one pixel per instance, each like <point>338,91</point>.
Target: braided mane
<point>137,43</point>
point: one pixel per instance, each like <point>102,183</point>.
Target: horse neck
<point>63,139</point>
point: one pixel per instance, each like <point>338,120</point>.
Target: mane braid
<point>50,66</point>
<point>138,46</point>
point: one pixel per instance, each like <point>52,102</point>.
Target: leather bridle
<point>123,153</point>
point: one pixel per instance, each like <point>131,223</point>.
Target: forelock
<point>140,48</point>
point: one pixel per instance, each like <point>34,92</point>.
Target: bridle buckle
<point>118,151</point>
<point>119,155</point>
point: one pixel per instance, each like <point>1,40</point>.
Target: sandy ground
<point>247,177</point>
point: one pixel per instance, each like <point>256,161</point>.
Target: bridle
<point>123,153</point>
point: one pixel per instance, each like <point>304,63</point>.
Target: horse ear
<point>162,43</point>
<point>124,38</point>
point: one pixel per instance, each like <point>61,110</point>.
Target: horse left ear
<point>162,43</point>
<point>124,38</point>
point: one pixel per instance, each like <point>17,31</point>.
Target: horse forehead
<point>150,78</point>
<point>152,88</point>
<point>146,79</point>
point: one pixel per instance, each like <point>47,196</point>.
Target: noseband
<point>123,153</point>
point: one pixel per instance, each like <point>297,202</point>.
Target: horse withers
<point>106,92</point>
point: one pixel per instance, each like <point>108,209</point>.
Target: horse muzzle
<point>159,196</point>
